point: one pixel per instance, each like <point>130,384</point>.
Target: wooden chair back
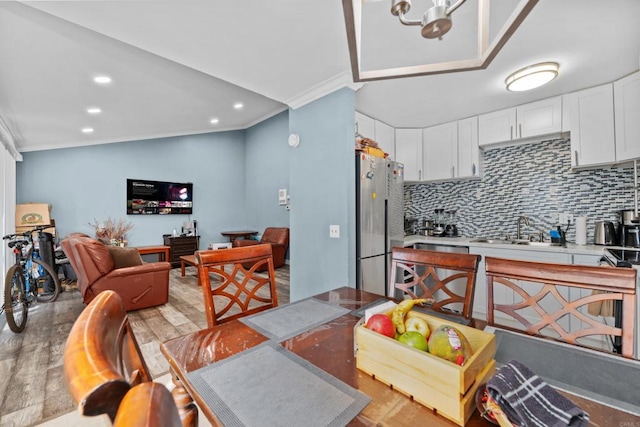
<point>239,289</point>
<point>552,300</point>
<point>102,359</point>
<point>148,405</point>
<point>447,278</point>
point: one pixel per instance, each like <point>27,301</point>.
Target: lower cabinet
<point>179,246</point>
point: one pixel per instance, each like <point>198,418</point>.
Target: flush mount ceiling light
<point>94,110</point>
<point>532,77</point>
<point>435,23</point>
<point>103,80</point>
<point>87,130</point>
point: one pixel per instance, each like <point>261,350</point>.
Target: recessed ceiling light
<point>94,110</point>
<point>102,79</point>
<point>238,105</point>
<point>87,130</point>
<point>214,121</point>
<point>532,77</point>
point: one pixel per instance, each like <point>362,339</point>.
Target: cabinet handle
<point>420,175</point>
<point>511,130</point>
<point>453,171</point>
<point>576,156</point>
<point>520,130</point>
<point>473,169</point>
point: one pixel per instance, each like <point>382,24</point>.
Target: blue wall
<point>267,171</point>
<point>236,178</point>
<point>321,176</point>
<point>87,183</point>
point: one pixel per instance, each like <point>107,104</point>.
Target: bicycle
<point>29,279</point>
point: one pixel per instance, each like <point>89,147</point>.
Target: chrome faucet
<point>522,219</point>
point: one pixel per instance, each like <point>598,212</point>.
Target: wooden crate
<point>434,382</point>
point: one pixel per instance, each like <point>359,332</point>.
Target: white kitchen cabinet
<point>365,126</point>
<point>468,149</point>
<point>386,138</point>
<point>409,152</point>
<point>591,124</point>
<point>440,151</point>
<point>626,95</point>
<point>497,126</point>
<point>450,150</point>
<point>521,123</point>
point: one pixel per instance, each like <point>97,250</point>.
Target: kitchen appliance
<point>450,228</point>
<point>604,233</point>
<point>379,219</point>
<point>439,223</point>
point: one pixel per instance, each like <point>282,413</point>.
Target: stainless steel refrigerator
<point>379,219</point>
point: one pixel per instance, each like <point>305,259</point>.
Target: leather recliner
<point>278,237</point>
<point>139,286</point>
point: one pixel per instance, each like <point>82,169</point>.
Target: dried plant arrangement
<point>112,231</point>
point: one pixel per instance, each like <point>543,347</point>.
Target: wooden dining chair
<point>446,277</point>
<point>239,289</point>
<point>102,360</point>
<point>552,301</point>
<point>147,405</point>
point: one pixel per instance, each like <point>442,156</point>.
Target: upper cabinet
<point>468,150</point>
<point>589,118</point>
<point>365,126</point>
<point>450,150</point>
<point>521,123</point>
<point>386,138</point>
<point>409,152</point>
<point>378,131</point>
<point>626,94</point>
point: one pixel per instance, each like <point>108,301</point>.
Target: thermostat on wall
<point>294,140</point>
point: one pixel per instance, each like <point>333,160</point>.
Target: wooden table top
<point>331,348</point>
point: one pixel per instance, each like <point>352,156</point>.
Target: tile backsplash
<point>533,180</point>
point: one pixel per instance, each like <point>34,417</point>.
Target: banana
<point>397,316</point>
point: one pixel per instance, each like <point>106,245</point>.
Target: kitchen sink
<point>513,242</point>
<point>528,243</point>
<point>496,241</point>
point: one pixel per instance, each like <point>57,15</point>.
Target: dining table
<point>327,347</point>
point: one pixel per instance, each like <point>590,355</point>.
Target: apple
<point>414,339</point>
<point>419,325</point>
<point>382,324</point>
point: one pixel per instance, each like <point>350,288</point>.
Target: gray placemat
<point>267,385</point>
<point>287,321</point>
<point>606,378</point>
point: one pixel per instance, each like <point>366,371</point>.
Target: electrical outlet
<point>564,218</point>
<point>334,231</point>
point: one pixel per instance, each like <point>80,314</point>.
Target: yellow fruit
<point>450,344</point>
<point>401,309</point>
<point>417,324</point>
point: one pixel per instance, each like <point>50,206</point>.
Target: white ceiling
<point>176,64</point>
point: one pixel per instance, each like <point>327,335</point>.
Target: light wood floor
<point>32,387</point>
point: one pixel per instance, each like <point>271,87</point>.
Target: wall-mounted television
<point>146,197</point>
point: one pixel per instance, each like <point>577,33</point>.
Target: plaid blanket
<point>528,401</point>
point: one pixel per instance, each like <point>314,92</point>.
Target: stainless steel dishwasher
<point>458,286</point>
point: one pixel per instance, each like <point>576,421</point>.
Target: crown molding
<point>7,140</point>
<point>323,88</point>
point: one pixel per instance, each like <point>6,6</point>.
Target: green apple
<point>417,324</point>
<point>414,339</point>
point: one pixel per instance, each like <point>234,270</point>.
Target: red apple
<point>382,324</point>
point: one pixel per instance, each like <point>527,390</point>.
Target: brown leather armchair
<point>278,237</point>
<point>139,286</point>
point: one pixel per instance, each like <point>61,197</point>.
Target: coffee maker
<point>629,229</point>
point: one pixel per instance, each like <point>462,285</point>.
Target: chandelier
<point>435,23</point>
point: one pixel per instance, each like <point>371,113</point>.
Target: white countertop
<point>469,242</point>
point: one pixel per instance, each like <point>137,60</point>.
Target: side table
<point>161,250</point>
<point>233,235</point>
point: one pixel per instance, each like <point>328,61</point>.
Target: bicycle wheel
<point>47,282</point>
<point>15,299</point>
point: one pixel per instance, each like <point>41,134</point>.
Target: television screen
<point>158,197</point>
